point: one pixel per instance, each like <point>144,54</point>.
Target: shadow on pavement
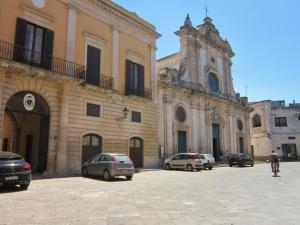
<point>7,189</point>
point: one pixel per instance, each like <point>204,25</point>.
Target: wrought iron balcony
<point>20,54</point>
<point>145,93</point>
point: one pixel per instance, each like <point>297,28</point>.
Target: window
<point>213,82</point>
<point>180,114</point>
<point>280,122</point>
<point>135,116</point>
<point>134,79</point>
<point>291,138</point>
<point>184,156</point>
<point>33,44</point>
<point>256,121</point>
<point>92,140</point>
<point>92,110</point>
<point>93,65</point>
<point>298,117</point>
<point>240,125</point>
<point>176,157</point>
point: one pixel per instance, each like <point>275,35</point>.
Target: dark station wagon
<point>241,159</point>
<point>14,170</point>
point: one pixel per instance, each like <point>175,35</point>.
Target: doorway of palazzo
<point>182,141</point>
<point>26,128</point>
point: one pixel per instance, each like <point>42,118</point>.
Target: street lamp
<point>125,112</point>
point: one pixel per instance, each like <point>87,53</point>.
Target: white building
<point>275,126</point>
<point>199,109</point>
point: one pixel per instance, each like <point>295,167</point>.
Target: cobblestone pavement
<point>221,196</point>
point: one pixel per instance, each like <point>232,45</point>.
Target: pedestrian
<point>190,150</point>
<point>227,155</point>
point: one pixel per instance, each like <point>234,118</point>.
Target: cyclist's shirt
<point>274,157</point>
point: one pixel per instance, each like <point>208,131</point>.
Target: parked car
<point>208,161</point>
<point>241,159</point>
<point>14,170</point>
<point>185,161</point>
<point>109,165</point>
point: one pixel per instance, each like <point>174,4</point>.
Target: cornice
<point>124,17</point>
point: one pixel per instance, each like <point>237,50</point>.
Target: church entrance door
<point>181,141</point>
<point>216,141</point>
<point>241,145</point>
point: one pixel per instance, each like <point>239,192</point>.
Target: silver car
<point>109,165</point>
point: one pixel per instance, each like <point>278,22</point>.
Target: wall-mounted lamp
<point>125,112</point>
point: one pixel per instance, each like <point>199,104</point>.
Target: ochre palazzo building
<point>77,77</point>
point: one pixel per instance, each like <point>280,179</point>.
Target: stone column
<point>61,160</point>
<point>71,35</point>
<point>247,133</point>
<point>153,73</point>
<point>168,118</point>
<point>2,74</point>
<point>203,146</point>
<point>115,57</point>
<point>195,127</point>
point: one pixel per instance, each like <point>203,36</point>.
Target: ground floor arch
<point>26,128</point>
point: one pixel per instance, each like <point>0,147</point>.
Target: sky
<point>264,34</point>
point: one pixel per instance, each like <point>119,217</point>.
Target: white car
<point>207,160</point>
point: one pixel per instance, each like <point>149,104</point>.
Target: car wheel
<point>106,175</point>
<point>198,169</point>
<point>210,168</point>
<point>243,164</point>
<point>129,177</point>
<point>252,164</point>
<point>24,186</point>
<point>167,166</point>
<point>230,165</point>
<point>189,168</point>
<point>84,172</point>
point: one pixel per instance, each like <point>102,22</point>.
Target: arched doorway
<point>91,146</point>
<point>26,128</point>
<point>136,152</point>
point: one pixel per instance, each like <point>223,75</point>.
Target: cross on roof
<point>206,11</point>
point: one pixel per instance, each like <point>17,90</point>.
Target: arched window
<point>213,82</point>
<point>240,125</point>
<point>256,121</point>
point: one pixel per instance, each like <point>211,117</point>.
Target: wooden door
<point>91,146</point>
<point>136,152</point>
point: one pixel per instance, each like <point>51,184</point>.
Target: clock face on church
<point>213,82</point>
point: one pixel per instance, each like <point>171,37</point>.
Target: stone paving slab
<point>228,196</point>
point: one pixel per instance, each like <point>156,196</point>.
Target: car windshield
<point>122,158</point>
<point>209,156</point>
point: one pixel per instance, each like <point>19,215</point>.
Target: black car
<point>14,170</point>
<point>241,159</point>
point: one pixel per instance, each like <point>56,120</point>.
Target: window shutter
<point>48,49</point>
<point>19,39</point>
<point>93,66</point>
<point>128,78</point>
<point>141,81</point>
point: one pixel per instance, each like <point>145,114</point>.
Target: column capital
<point>73,6</point>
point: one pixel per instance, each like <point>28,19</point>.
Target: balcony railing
<point>105,82</point>
<point>23,55</point>
<point>145,93</point>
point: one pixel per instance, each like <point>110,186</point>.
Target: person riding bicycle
<point>274,158</point>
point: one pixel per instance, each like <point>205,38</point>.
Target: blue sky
<point>264,34</point>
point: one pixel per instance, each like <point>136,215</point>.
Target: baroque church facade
<point>199,110</point>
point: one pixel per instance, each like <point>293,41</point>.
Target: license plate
<point>11,178</point>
